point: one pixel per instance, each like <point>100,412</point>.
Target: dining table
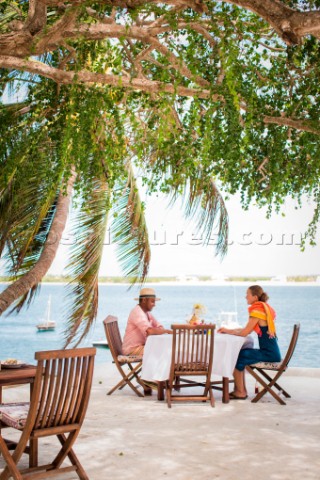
<point>158,352</point>
<point>17,376</point>
<point>22,375</point>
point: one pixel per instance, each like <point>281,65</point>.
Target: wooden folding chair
<point>57,407</point>
<point>124,363</point>
<point>269,384</point>
<point>192,355</point>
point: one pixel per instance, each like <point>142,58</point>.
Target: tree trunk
<point>20,287</point>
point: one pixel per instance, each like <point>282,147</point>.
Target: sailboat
<point>48,325</point>
<point>100,343</point>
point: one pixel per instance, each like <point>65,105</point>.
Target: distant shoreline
<point>228,284</point>
<point>199,283</point>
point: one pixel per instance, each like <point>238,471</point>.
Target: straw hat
<point>147,293</point>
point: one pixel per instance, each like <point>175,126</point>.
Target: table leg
<point>161,390</point>
<point>225,390</point>
<point>0,403</point>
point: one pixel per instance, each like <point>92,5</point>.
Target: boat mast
<point>48,309</point>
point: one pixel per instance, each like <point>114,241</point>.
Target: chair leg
<point>263,392</point>
<point>135,370</point>
<point>131,377</point>
<point>208,390</point>
<point>66,445</point>
<point>272,384</point>
<point>73,457</point>
<point>11,469</point>
<point>127,380</point>
<point>266,388</point>
<point>212,401</point>
<point>134,388</point>
<point>286,394</point>
<point>177,382</point>
<point>120,385</point>
<point>33,452</point>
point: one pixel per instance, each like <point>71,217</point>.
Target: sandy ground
<point>126,437</point>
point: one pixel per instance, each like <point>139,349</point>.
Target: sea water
<point>19,337</point>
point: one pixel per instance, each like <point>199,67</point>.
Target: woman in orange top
<point>261,320</point>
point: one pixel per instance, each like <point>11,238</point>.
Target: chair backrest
<point>113,335</point>
<point>61,388</point>
<point>192,349</point>
<point>292,344</point>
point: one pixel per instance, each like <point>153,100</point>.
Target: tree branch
<point>290,122</point>
<point>177,64</point>
<point>291,25</point>
<point>84,76</point>
<point>37,16</point>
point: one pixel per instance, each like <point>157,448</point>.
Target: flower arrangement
<point>197,310</point>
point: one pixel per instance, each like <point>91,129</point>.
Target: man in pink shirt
<point>141,323</point>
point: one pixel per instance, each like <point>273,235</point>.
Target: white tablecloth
<point>158,349</point>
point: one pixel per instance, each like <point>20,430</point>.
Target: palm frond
<point>24,288</point>
<point>27,243</point>
<point>26,223</point>
<point>27,192</point>
<point>204,202</point>
<point>90,227</point>
<point>130,232</point>
<point>25,299</point>
<point>28,258</point>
